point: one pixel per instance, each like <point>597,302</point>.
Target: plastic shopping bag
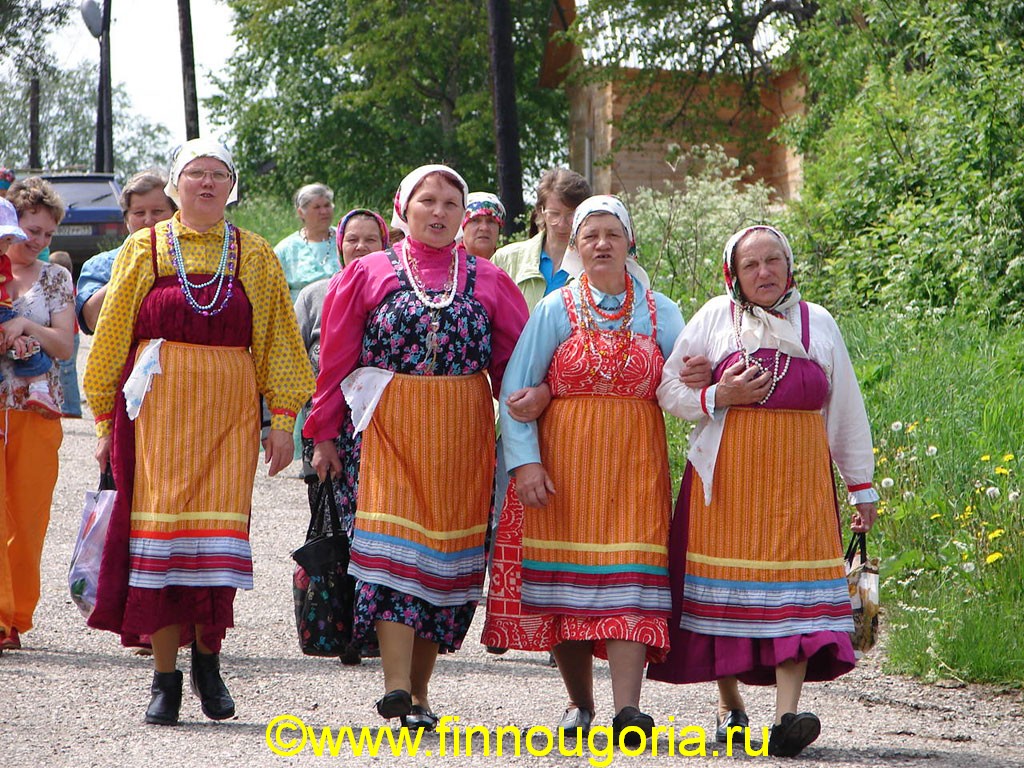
<point>84,573</point>
<point>862,582</point>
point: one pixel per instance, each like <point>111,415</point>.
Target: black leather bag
<point>323,592</point>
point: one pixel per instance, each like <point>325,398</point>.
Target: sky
<point>145,54</point>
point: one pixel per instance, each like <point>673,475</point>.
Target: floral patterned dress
<point>395,340</point>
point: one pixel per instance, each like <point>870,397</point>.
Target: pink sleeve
<point>508,312</point>
<point>351,296</point>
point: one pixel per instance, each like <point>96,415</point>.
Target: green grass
<point>271,217</point>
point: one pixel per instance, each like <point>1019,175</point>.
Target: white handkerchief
<point>362,390</point>
<point>147,365</point>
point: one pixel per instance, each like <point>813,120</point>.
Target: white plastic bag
<point>84,573</point>
<point>862,582</point>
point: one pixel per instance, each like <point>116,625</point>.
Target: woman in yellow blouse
<point>196,325</point>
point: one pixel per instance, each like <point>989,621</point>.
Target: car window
<point>86,194</point>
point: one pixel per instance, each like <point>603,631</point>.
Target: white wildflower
<point>992,492</point>
<point>932,450</point>
<point>969,567</point>
<point>897,426</point>
<point>1014,496</point>
<point>887,482</point>
<point>908,495</point>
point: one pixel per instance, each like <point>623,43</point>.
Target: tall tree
<point>67,124</point>
<point>506,118</point>
<point>188,70</point>
<point>357,93</point>
<point>25,23</point>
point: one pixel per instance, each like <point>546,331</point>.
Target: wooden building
<point>595,111</point>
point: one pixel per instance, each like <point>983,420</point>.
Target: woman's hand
<point>278,450</point>
<point>102,453</point>
<point>741,385</point>
<point>326,460</point>
<point>528,404</point>
<point>696,373</point>
<point>864,517</point>
<point>533,484</point>
<point>14,328</point>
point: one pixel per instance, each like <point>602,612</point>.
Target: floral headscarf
<point>188,152</point>
<point>484,204</point>
<point>6,178</point>
<point>385,233</point>
<point>763,326</point>
<point>573,264</point>
<point>409,184</point>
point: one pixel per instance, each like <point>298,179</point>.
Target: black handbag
<point>323,591</point>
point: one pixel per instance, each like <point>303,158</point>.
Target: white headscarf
<point>410,182</point>
<point>764,327</point>
<point>573,264</point>
<point>188,152</point>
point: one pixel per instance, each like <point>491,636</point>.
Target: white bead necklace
<point>414,279</point>
<point>737,316</point>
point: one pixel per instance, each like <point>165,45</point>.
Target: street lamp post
<point>98,22</point>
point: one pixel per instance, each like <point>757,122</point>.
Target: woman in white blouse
<point>759,590</point>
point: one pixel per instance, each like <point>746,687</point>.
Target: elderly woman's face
<point>761,268</point>
<point>146,209</point>
<point>435,211</point>
<point>601,241</point>
<point>317,214</point>
<point>362,236</point>
<point>480,234</point>
<point>204,187</point>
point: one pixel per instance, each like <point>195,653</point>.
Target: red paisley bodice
<point>611,363</point>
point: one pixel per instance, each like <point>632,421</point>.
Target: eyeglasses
<point>554,217</point>
<point>196,174</point>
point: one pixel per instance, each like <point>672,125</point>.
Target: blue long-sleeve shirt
<point>94,275</point>
<point>547,328</point>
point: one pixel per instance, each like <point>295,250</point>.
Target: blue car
<point>93,221</point>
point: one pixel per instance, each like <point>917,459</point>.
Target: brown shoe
<point>10,641</point>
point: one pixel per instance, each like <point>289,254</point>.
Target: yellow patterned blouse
<point>283,372</point>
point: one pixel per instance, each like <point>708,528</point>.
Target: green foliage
<point>265,215</point>
<point>684,225</point>
<point>946,421</point>
<point>24,24</point>
<point>67,125</point>
<point>913,195</point>
<point>356,94</point>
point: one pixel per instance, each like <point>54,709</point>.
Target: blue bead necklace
<point>223,276</point>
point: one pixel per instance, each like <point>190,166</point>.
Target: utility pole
<point>506,117</point>
<point>188,70</point>
<point>98,21</point>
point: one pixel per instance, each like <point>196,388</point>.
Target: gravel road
<point>74,697</point>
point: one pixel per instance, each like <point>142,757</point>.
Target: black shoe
<point>736,718</point>
<point>497,651</point>
<point>795,732</point>
<point>419,719</point>
<point>209,687</point>
<point>351,657</point>
<point>631,717</point>
<point>166,701</point>
<point>396,703</point>
<point>576,722</point>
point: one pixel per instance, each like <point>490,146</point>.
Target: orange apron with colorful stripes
<point>777,572</point>
<point>425,478</point>
<point>193,483</point>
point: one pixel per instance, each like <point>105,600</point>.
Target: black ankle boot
<point>163,707</point>
<point>208,686</point>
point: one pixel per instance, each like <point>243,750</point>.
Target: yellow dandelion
<point>968,509</point>
<point>911,427</point>
<point>1002,471</point>
<point>1008,457</point>
<point>936,516</point>
<point>882,460</point>
<point>993,557</point>
<point>875,451</point>
<point>996,534</point>
<point>986,457</point>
